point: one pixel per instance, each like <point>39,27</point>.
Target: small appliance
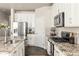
<point>59,20</point>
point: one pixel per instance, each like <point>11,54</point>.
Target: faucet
<point>5,37</point>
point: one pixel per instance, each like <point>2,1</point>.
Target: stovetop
<point>59,39</point>
<point>65,36</point>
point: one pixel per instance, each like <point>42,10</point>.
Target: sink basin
<point>9,42</point>
<point>12,42</point>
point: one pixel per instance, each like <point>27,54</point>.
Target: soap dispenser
<point>71,39</point>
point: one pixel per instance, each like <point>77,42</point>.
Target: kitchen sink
<point>8,43</point>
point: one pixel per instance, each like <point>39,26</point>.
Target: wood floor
<point>35,51</point>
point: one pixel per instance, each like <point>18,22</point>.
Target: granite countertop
<point>8,48</point>
<point>67,48</point>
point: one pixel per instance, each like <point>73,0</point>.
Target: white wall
<point>42,25</point>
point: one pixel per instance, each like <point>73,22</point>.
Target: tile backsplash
<point>68,29</point>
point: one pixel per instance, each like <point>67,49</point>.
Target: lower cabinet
<point>19,50</point>
<point>57,52</point>
<point>14,53</point>
<point>48,47</point>
<point>31,40</point>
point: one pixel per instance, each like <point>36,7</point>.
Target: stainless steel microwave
<point>59,20</point>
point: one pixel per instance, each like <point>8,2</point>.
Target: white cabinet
<point>4,54</point>
<point>57,52</point>
<point>71,13</point>
<point>14,53</point>
<point>75,15</point>
<point>53,14</point>
<point>48,48</point>
<point>68,10</point>
<point>56,9</point>
<point>19,50</point>
<point>31,40</point>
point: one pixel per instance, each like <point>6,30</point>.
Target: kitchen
<point>51,26</point>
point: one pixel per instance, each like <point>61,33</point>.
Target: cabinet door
<point>68,9</point>
<point>23,52</point>
<point>71,15</point>
<point>48,48</point>
<point>54,13</point>
<point>61,7</point>
<point>20,49</point>
<point>31,39</point>
<point>14,53</point>
<point>67,15</point>
<point>75,15</point>
<point>58,52</point>
<point>55,9</point>
<point>23,49</point>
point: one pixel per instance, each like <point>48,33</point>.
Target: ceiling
<point>5,7</point>
<point>22,6</point>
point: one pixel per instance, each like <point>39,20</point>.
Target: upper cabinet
<point>71,13</point>
<point>56,9</point>
<point>54,12</point>
<point>68,15</point>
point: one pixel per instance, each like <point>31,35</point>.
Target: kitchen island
<point>65,48</point>
<point>15,49</point>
